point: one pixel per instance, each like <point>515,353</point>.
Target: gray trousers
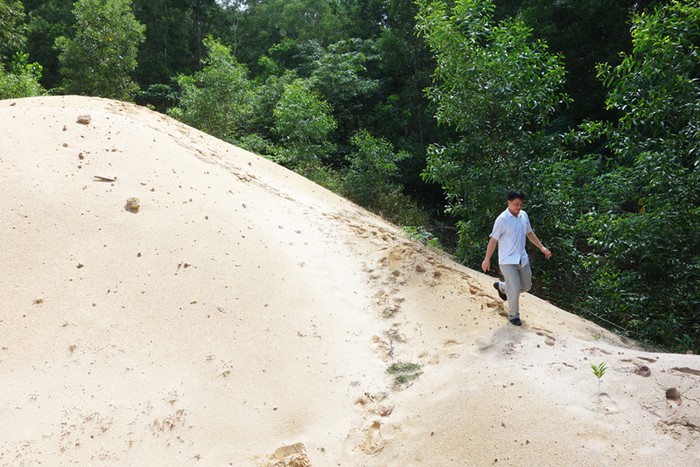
<point>518,278</point>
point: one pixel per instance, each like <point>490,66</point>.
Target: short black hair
<point>515,194</point>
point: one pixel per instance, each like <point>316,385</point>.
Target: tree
<point>406,66</point>
<point>12,29</point>
<point>220,98</point>
<point>373,171</point>
<point>341,75</point>
<point>497,88</point>
<point>585,32</point>
<point>230,20</point>
<point>169,46</point>
<point>643,228</point>
<point>303,125</point>
<point>100,58</point>
<point>18,77</point>
<point>22,79</point>
<point>175,31</point>
<point>48,20</point>
<point>311,19</point>
<point>268,22</point>
<point>371,179</point>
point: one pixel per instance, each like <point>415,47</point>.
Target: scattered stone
<point>84,119</point>
<point>643,370</point>
<point>293,455</point>
<point>420,268</point>
<point>674,395</point>
<point>133,205</point>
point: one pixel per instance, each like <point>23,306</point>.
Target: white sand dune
<point>245,316</point>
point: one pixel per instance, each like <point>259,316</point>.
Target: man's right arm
<point>490,248</point>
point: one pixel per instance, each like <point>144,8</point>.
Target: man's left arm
<point>536,241</point>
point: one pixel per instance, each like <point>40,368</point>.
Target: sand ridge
<point>242,315</point>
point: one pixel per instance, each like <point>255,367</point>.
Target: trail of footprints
<point>396,262</point>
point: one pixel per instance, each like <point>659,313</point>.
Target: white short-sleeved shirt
<point>511,231</point>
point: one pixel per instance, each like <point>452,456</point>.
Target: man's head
<point>516,200</point>
<point>516,194</point>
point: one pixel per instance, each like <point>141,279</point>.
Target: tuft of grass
<point>404,372</point>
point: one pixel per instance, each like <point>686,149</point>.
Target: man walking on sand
<point>510,229</point>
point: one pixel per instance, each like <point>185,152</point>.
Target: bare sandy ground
<point>245,316</point>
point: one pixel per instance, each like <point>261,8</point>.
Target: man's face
<point>515,205</point>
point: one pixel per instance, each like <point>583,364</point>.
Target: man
<point>510,229</point>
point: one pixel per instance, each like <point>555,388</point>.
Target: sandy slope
<point>243,310</point>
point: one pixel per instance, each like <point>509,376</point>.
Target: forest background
<point>426,112</point>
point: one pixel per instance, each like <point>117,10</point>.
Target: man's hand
<point>490,248</point>
<point>546,252</point>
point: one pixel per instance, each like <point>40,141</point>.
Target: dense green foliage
<point>12,29</point>
<point>303,124</point>
<point>497,88</point>
<point>219,98</point>
<point>21,80</point>
<point>18,77</point>
<point>427,112</point>
<point>645,216</point>
<point>100,58</point>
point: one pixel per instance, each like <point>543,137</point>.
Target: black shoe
<point>516,321</point>
<point>498,289</point>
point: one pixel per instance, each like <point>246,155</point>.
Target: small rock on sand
<point>133,205</point>
<point>673,394</point>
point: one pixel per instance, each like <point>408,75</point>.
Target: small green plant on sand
<point>404,372</point>
<point>599,371</point>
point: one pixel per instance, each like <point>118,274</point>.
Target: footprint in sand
<point>373,442</point>
<point>548,336</point>
<point>594,351</point>
<point>293,455</point>
<point>389,304</point>
<point>606,405</point>
<point>498,306</point>
<point>636,366</point>
<point>448,351</point>
<point>509,348</point>
<point>382,347</point>
<point>377,404</point>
